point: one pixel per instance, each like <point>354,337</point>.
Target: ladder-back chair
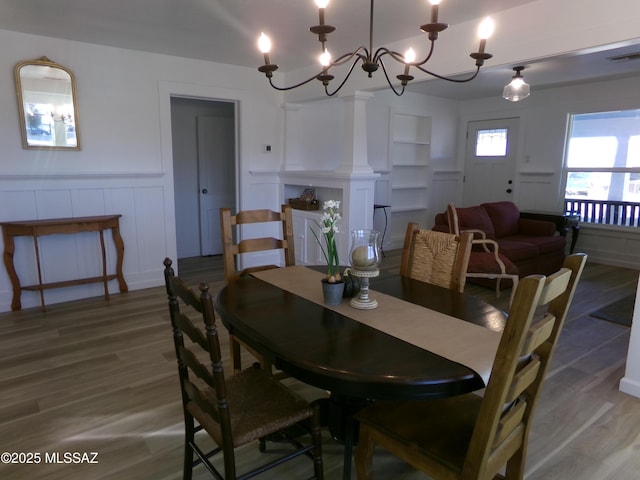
<point>236,244</point>
<point>234,411</point>
<point>435,257</point>
<point>472,437</point>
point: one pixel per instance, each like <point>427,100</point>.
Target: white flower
<point>328,228</point>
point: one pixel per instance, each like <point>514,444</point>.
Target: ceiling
<point>226,31</point>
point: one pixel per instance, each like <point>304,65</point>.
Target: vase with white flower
<point>328,229</point>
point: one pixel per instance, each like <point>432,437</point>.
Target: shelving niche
<point>409,158</point>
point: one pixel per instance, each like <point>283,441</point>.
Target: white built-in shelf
<point>409,159</point>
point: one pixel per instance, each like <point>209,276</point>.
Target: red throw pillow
<point>476,218</point>
<point>505,217</point>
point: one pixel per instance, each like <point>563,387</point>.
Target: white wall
<point>125,165</point>
<point>315,133</point>
<point>538,184</point>
<point>543,125</point>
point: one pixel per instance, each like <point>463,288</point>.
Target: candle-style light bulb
<point>409,57</point>
<point>264,45</point>
<point>322,4</point>
<point>325,58</point>
<point>485,30</point>
<point>434,10</point>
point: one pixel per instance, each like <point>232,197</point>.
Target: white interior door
<point>216,177</point>
<point>490,163</point>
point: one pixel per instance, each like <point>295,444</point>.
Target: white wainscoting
<point>537,191</point>
<point>146,227</point>
<point>610,245</point>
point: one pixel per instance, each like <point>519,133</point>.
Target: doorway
<point>204,170</point>
<point>490,162</point>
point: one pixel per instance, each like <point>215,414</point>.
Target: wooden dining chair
<point>435,257</point>
<point>472,437</point>
<point>238,244</point>
<point>234,411</point>
<point>486,263</point>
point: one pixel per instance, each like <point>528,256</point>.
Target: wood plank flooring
<point>96,376</point>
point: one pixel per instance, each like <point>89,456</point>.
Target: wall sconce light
<point>517,89</point>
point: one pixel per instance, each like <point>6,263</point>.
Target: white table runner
<point>463,342</point>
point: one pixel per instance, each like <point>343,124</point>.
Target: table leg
<point>35,243</point>
<point>105,282</point>
<point>343,427</point>
<point>117,240</point>
<point>9,249</point>
<point>575,231</point>
<point>348,448</point>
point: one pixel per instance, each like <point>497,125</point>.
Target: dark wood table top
<point>328,350</point>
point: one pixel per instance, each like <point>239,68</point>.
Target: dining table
<point>421,342</point>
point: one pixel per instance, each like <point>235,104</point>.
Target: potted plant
<point>328,226</point>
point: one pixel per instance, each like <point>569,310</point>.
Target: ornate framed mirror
<point>47,105</point>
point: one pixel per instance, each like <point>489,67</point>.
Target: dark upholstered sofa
<point>531,245</point>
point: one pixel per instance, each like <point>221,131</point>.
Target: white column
<point>355,160</point>
<point>630,383</point>
<point>291,152</point>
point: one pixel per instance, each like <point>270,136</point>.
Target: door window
<point>491,143</point>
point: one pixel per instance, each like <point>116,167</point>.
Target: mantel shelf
<point>408,209</point>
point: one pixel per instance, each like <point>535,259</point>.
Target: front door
<point>216,177</point>
<point>490,161</point>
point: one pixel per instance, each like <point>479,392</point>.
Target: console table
<point>563,221</point>
<point>39,228</point>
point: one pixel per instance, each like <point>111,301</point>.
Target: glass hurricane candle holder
<point>365,260</point>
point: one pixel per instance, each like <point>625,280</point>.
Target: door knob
<point>205,191</point>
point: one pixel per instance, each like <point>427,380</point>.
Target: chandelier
<point>370,60</point>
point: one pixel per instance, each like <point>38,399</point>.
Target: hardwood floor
<point>96,376</point>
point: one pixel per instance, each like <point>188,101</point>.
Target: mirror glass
<point>47,105</point>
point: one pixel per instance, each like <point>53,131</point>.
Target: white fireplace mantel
<point>356,193</point>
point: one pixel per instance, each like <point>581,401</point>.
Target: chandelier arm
<point>348,56</point>
<point>382,51</point>
<point>449,79</point>
<point>399,57</point>
<point>284,89</point>
<point>331,94</point>
<point>428,57</point>
<point>386,75</point>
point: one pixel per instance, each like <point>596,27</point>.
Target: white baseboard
<point>629,386</point>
